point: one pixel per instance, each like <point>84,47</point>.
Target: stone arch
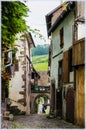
<point>40,95</point>
<point>34,96</point>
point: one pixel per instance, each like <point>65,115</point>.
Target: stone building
<point>64,25</point>
<point>20,84</point>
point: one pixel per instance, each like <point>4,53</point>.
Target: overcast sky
<point>39,8</point>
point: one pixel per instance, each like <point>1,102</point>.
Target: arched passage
<point>35,98</point>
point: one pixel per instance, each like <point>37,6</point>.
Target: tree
<point>13,22</point>
<point>41,50</point>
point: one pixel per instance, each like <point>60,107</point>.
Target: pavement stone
<point>36,121</point>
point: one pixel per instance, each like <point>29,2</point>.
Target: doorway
<point>52,95</point>
<point>70,104</point>
<point>59,90</point>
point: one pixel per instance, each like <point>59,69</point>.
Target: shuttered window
<point>65,67</point>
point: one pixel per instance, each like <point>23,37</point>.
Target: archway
<point>42,104</point>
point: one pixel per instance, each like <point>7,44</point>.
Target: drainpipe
<point>10,61</point>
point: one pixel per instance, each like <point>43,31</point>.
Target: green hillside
<point>40,63</point>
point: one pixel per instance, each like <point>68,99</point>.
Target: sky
<point>39,9</point>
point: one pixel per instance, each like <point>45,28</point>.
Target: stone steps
<point>7,115</point>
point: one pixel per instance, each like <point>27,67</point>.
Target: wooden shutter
<point>79,53</point>
<point>65,67</point>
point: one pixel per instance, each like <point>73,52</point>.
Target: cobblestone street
<point>36,121</point>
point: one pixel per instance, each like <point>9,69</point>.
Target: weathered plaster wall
<point>16,82</point>
<point>57,55</point>
<point>81,31</point>
<point>80,8</point>
<point>67,24</point>
<point>54,68</point>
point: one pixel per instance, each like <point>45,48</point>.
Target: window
<point>70,60</point>
<point>61,38</point>
<point>32,75</point>
<point>60,73</point>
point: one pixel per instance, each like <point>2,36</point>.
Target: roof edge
<point>70,7</point>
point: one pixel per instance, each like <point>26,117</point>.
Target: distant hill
<point>40,50</point>
<point>40,63</point>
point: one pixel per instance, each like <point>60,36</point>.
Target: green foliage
<point>13,21</point>
<point>40,50</point>
<point>41,66</point>
<point>40,63</point>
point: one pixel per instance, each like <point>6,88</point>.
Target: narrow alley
<point>42,64</point>
<point>37,121</point>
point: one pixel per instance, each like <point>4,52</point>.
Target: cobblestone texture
<point>36,121</point>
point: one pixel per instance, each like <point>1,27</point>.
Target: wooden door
<point>52,95</point>
<point>70,104</point>
<point>80,96</point>
<point>65,67</point>
<point>59,103</point>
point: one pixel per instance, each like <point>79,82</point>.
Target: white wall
<point>81,31</point>
<point>56,57</point>
<point>16,82</point>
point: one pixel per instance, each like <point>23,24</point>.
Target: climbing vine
<point>13,22</point>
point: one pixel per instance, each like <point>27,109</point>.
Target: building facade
<point>20,90</point>
<point>62,27</point>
